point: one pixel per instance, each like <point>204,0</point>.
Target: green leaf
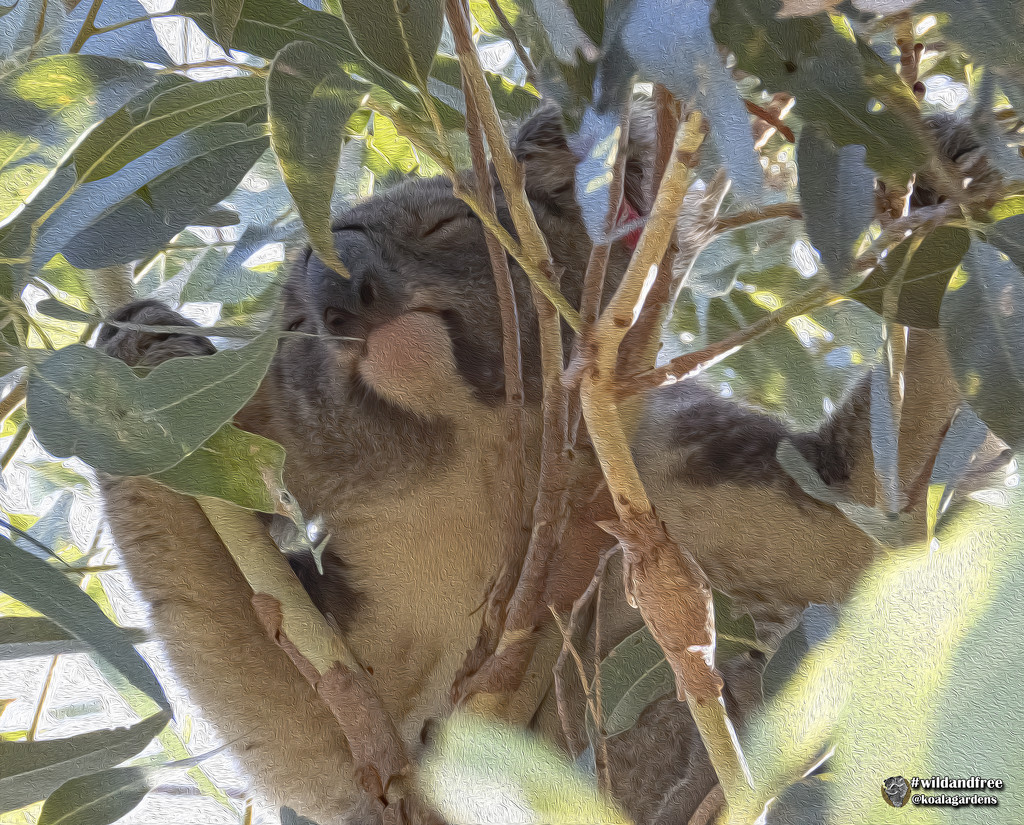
<point>1008,237</point>
<point>633,675</point>
<point>839,84</point>
<point>63,312</point>
<point>924,281</point>
<point>510,99</point>
<point>119,140</point>
<point>232,465</point>
<point>45,589</point>
<point>225,14</point>
<point>96,799</point>
<point>48,104</point>
<point>24,637</point>
<point>398,35</point>
<point>33,770</point>
<point>82,402</point>
<point>480,768</point>
<point>983,316</point>
<point>311,99</point>
<point>837,193</point>
<point>917,680</point>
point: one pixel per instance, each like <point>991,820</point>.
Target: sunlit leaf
<point>33,770</point>
<point>82,402</point>
<point>483,772</point>
<point>232,465</point>
<point>46,589</point>
<point>118,141</point>
<point>48,105</point>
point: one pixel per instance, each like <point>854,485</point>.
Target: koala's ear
<point>549,166</point>
<point>549,162</point>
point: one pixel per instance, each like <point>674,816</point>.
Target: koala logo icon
<point>895,790</point>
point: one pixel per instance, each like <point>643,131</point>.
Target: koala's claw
<point>150,348</point>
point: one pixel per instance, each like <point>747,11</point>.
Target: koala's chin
<point>409,361</point>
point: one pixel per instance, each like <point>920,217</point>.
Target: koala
<point>391,408</point>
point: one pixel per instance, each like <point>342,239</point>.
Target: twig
<point>33,728</point>
<point>504,670</point>
<point>10,402</point>
<point>381,765</point>
<point>569,631</point>
<point>515,472</point>
<point>569,648</point>
<point>756,215</point>
<point>771,119</point>
<point>513,37</point>
<point>639,347</point>
<point>683,366</point>
<point>88,27</point>
<point>536,257</point>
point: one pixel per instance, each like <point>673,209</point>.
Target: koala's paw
<point>150,348</point>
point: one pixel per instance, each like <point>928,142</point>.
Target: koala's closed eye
<point>448,221</point>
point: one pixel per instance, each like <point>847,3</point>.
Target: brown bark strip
<point>772,119</point>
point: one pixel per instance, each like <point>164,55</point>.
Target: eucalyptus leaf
<point>924,278</point>
<point>62,312</point>
<point>82,402</point>
<point>136,227</point>
<point>400,36</point>
<point>27,637</point>
<point>232,465</point>
<point>1007,236</point>
<point>91,203</point>
<point>48,104</point>
<point>118,141</point>
<point>633,676</point>
<point>480,767</point>
<point>225,17</point>
<point>672,44</point>
<point>33,770</point>
<point>311,98</point>
<point>984,323</point>
<point>97,799</point>
<point>45,589</point>
<point>839,83</point>
<point>837,193</point>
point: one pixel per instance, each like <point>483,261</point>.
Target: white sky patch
<point>270,253</point>
<point>805,258</point>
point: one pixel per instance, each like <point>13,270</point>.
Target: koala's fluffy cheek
<point>409,361</point>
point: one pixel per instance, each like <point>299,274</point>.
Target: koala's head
<point>418,324</point>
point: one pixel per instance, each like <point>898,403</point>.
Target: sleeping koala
<point>392,412</point>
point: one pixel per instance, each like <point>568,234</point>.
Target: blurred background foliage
<point>165,151</point>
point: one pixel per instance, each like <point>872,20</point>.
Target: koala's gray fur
<point>401,463</point>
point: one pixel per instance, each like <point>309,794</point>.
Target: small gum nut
<point>409,361</point>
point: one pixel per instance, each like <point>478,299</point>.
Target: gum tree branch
<point>517,44</point>
<point>381,766</point>
<point>663,580</point>
<point>536,258</point>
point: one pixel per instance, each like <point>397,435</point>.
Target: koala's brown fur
<point>391,409</point>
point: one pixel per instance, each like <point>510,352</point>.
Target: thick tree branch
<point>381,765</point>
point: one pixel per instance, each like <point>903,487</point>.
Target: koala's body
<point>391,409</point>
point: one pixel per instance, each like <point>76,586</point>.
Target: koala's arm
<point>201,610</point>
